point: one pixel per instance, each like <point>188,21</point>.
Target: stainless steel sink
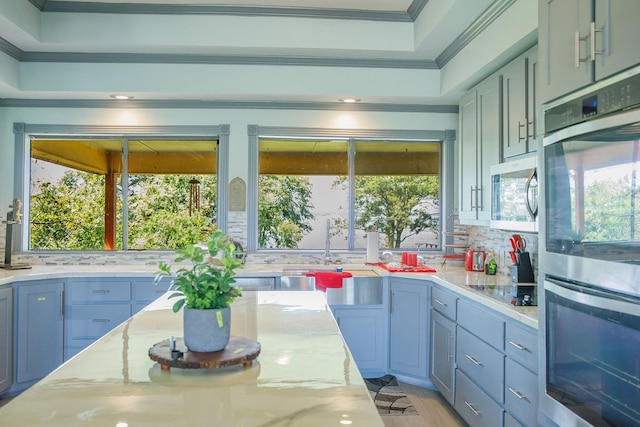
<point>365,287</point>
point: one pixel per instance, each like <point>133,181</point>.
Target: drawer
<point>509,421</point>
<point>444,302</point>
<point>474,405</point>
<point>481,362</point>
<point>521,392</point>
<point>93,321</point>
<point>99,290</point>
<point>522,345</point>
<point>144,290</point>
<point>485,326</point>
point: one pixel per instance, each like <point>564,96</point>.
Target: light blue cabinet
<point>6,338</point>
<point>364,330</point>
<point>443,341</point>
<point>94,306</point>
<point>496,362</point>
<point>39,329</point>
<point>144,291</point>
<point>409,329</point>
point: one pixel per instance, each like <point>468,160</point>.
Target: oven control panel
<point>617,96</point>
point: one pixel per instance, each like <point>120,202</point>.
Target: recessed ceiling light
<point>349,100</point>
<point>121,97</point>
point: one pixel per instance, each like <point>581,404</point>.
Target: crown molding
<point>166,58</point>
<point>253,105</point>
<point>416,8</point>
<point>478,26</point>
<point>203,9</point>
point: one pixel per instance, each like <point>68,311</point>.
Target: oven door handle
<point>594,297</point>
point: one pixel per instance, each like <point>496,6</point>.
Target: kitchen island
<point>304,375</point>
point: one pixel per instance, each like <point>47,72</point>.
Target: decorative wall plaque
<point>237,195</point>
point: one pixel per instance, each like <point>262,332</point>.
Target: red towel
<point>328,279</point>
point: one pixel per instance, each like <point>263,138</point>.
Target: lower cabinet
<point>409,329</point>
<point>94,306</point>
<point>6,338</point>
<point>364,330</point>
<point>39,329</point>
<point>442,354</point>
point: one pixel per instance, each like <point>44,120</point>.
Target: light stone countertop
<point>453,278</point>
<point>304,375</point>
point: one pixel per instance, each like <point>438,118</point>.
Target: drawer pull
<point>439,302</point>
<point>100,291</point>
<point>518,346</point>
<point>473,360</point>
<point>518,394</point>
<point>470,406</point>
<point>101,320</point>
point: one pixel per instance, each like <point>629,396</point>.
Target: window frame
<point>23,133</point>
<point>447,166</point>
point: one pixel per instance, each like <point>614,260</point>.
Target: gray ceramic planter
<point>203,330</point>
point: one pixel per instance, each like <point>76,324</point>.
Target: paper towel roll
<point>373,247</point>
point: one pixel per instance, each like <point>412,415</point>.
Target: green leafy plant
<point>208,282</point>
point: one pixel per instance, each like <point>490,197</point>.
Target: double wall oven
<point>590,257</point>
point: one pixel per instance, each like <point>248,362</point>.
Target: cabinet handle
<point>470,406</point>
<point>391,301</point>
<point>479,206</point>
<point>522,126</point>
<point>518,346</point>
<point>593,31</point>
<point>473,360</point>
<point>576,48</point>
<point>449,349</point>
<point>518,394</point>
<point>62,303</point>
<point>473,206</point>
<point>437,301</point>
<point>100,291</point>
<point>101,320</point>
<point>531,125</point>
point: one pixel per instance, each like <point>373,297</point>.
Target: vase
<point>207,330</point>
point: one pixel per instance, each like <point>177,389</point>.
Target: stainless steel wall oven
<point>590,257</point>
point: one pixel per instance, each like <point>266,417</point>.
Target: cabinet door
<point>563,40</point>
<point>489,140</point>
<point>442,353</point>
<point>514,113</point>
<point>468,156</point>
<point>6,338</point>
<point>409,328</point>
<point>39,329</point>
<point>363,331</point>
<point>616,41</point>
<point>533,100</point>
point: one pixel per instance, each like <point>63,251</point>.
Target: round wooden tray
<point>239,351</point>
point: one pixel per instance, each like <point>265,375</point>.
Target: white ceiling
<point>78,49</point>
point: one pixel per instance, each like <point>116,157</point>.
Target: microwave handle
<point>533,210</point>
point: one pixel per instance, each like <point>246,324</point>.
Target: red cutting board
<point>420,268</point>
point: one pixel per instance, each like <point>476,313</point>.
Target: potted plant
<point>205,290</point>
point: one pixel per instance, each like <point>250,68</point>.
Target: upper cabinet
<point>480,138</point>
<point>582,41</point>
<point>519,105</point>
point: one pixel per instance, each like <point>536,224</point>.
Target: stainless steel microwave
<point>514,195</point>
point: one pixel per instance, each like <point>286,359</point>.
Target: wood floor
<point>434,410</point>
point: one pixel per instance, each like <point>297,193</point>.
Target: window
<point>311,189</point>
<point>85,194</point>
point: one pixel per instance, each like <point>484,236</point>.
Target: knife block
<point>523,271</point>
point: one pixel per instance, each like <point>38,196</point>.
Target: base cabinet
<point>442,354</point>
<point>39,329</point>
<point>363,330</point>
<point>408,337</point>
<point>474,405</point>
<point>6,338</point>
